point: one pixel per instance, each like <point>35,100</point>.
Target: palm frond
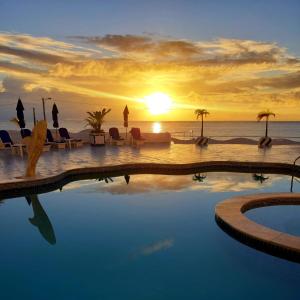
<point>264,114</point>
<point>15,121</point>
<point>96,119</point>
<point>201,112</point>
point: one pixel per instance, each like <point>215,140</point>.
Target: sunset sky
<point>233,58</point>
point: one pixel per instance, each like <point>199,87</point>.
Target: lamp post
<point>34,118</point>
<point>44,110</point>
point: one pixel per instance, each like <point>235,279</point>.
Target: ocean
<point>216,129</point>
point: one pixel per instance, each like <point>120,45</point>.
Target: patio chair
<point>54,144</point>
<point>265,142</point>
<point>5,139</point>
<point>6,142</point>
<point>115,138</point>
<point>136,137</point>
<point>27,133</point>
<point>64,134</point>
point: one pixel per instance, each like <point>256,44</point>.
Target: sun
<point>158,103</point>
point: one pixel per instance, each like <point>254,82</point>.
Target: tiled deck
<point>57,161</point>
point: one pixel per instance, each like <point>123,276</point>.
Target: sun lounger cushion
<point>114,133</point>
<point>5,138</point>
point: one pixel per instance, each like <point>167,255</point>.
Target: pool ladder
<point>292,181</point>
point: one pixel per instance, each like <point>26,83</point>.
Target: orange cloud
<point>222,75</point>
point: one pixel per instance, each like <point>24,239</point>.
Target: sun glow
<point>156,127</point>
<point>158,103</point>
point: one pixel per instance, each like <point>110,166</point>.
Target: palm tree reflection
<point>106,179</point>
<point>41,220</point>
<point>199,177</point>
<point>259,177</point>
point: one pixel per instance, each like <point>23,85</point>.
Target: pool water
<point>153,238</point>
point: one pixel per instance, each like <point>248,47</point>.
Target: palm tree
<point>96,119</point>
<point>201,112</point>
<point>265,114</point>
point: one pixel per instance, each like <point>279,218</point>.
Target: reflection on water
<point>156,127</point>
<point>260,178</point>
<point>41,220</point>
<point>199,177</point>
<point>212,182</point>
<point>118,240</point>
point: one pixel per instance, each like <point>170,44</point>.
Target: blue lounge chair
<point>5,139</point>
<point>64,134</point>
<point>8,143</point>
<point>27,133</point>
<point>53,143</point>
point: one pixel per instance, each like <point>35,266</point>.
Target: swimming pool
<point>143,237</point>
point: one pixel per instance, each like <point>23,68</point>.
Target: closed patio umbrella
<point>125,116</point>
<point>55,117</point>
<point>20,114</point>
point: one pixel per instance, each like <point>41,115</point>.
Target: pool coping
<point>229,215</point>
<point>48,183</point>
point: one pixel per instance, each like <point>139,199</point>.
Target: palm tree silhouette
<point>201,112</point>
<point>265,114</point>
<point>96,119</point>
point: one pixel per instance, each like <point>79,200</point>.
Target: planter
<point>97,139</point>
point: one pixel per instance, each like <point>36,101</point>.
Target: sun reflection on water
<point>156,127</point>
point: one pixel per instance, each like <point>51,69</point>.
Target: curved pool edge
<point>229,215</point>
<point>50,183</point>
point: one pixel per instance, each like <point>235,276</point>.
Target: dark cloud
<point>11,67</point>
<point>144,44</point>
<point>219,52</point>
<point>287,81</point>
<point>32,55</point>
<point>123,43</point>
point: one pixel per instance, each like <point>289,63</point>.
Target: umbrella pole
<point>34,118</point>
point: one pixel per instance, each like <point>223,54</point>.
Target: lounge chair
<point>265,142</point>
<point>136,137</point>
<point>27,133</point>
<point>6,142</point>
<point>53,143</point>
<point>201,141</point>
<point>115,138</point>
<point>64,134</point>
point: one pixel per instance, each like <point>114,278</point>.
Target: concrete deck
<point>229,215</point>
<point>57,161</point>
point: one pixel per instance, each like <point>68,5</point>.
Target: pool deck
<point>57,161</point>
<point>230,216</point>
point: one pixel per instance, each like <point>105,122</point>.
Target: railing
<point>296,160</point>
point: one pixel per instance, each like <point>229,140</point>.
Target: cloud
<point>144,45</point>
<point>244,74</point>
<point>32,55</point>
<point>157,246</point>
<point>9,67</point>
